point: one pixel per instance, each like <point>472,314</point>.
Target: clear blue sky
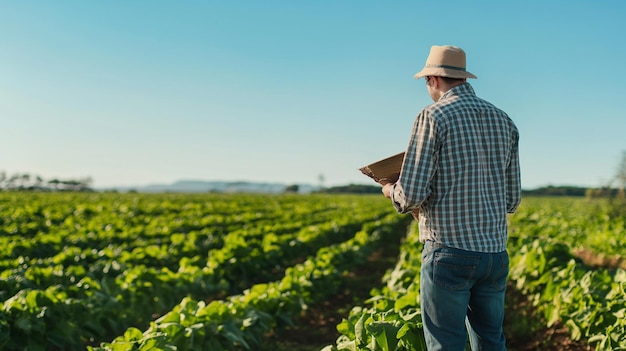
<point>141,92</point>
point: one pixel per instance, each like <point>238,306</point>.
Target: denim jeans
<point>462,292</point>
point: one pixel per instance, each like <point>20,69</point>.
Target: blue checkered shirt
<point>461,170</point>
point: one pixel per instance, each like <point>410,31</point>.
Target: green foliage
<point>240,321</point>
<point>591,302</point>
<point>94,269</point>
<point>99,264</point>
<point>393,320</point>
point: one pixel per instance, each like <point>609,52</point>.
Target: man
<point>461,173</point>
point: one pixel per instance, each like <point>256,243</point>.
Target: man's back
<point>474,145</point>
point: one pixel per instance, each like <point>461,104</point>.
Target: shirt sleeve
<point>513,178</point>
<point>420,163</point>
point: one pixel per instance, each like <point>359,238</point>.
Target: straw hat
<point>445,61</point>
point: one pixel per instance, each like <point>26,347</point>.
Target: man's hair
<point>451,81</point>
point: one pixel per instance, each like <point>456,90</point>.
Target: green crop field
<point>106,271</point>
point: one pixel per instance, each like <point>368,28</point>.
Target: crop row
<point>392,320</point>
<point>590,302</point>
<point>91,270</point>
<point>79,269</point>
<point>241,321</point>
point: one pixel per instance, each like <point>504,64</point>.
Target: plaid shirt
<point>461,170</point>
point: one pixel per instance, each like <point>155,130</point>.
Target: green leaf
<point>385,334</point>
<point>34,345</point>
<point>122,346</point>
<point>172,329</point>
<point>574,329</point>
<point>234,335</point>
<point>31,300</point>
<point>347,345</point>
<point>24,324</point>
<point>412,336</point>
<point>133,334</point>
<point>408,300</point>
<point>214,345</point>
<point>360,331</point>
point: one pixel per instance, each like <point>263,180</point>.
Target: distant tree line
<point>542,191</point>
<point>28,182</point>
<point>352,189</point>
<point>556,191</point>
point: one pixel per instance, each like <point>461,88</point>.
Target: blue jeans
<point>459,287</point>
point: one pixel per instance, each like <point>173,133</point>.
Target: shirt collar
<point>463,89</point>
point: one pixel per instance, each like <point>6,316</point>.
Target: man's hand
<point>387,188</point>
<point>416,214</point>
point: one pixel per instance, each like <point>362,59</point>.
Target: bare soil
<point>594,259</point>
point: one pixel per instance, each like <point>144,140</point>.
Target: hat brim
<point>443,72</point>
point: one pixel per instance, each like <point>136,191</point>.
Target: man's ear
<point>435,82</point>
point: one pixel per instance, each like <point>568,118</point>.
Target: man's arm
<point>419,166</point>
<point>388,191</point>
<point>513,178</point>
